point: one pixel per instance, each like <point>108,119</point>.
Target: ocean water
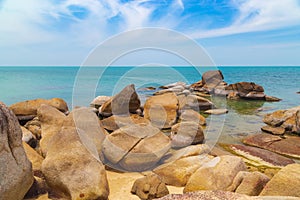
<point>78,86</point>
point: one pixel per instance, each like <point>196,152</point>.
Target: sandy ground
<point>120,185</point>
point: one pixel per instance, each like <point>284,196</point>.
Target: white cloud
<point>257,15</point>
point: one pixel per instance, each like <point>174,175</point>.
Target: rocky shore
<point>118,148</point>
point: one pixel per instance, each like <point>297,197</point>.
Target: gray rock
<point>16,175</point>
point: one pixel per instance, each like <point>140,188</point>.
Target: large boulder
<point>115,122</point>
<point>177,173</point>
<point>186,133</point>
<point>51,120</point>
<point>71,169</point>
<point>125,102</point>
<point>218,174</point>
<point>87,121</point>
<point>249,183</point>
<point>285,183</point>
<point>16,175</point>
<point>191,115</point>
<point>30,107</point>
<point>149,187</point>
<point>136,147</point>
<point>162,110</point>
<point>289,145</point>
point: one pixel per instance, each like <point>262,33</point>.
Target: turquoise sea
<point>24,83</point>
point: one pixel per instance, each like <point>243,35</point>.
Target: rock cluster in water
<point>150,150</point>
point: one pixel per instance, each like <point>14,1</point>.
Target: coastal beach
<point>149,100</point>
<point>160,137</point>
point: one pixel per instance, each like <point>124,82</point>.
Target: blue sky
<point>233,32</point>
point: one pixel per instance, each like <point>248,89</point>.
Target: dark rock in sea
<point>125,102</point>
<point>211,80</point>
<point>260,157</point>
<point>186,133</point>
<point>247,90</point>
<point>298,92</point>
<point>289,145</point>
<point>16,175</point>
<point>149,187</point>
<point>136,147</point>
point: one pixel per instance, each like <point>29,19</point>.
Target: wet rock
<point>35,159</point>
<point>30,107</point>
<point>186,133</point>
<point>51,122</point>
<point>273,130</point>
<point>99,101</point>
<point>71,169</point>
<point>249,183</point>
<point>115,122</point>
<point>285,183</point>
<point>177,173</point>
<point>216,111</point>
<point>161,110</point>
<point>289,145</point>
<point>191,115</point>
<point>136,147</point>
<point>260,157</point>
<point>16,175</point>
<point>150,187</point>
<point>28,137</point>
<point>218,174</point>
<point>125,102</point>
